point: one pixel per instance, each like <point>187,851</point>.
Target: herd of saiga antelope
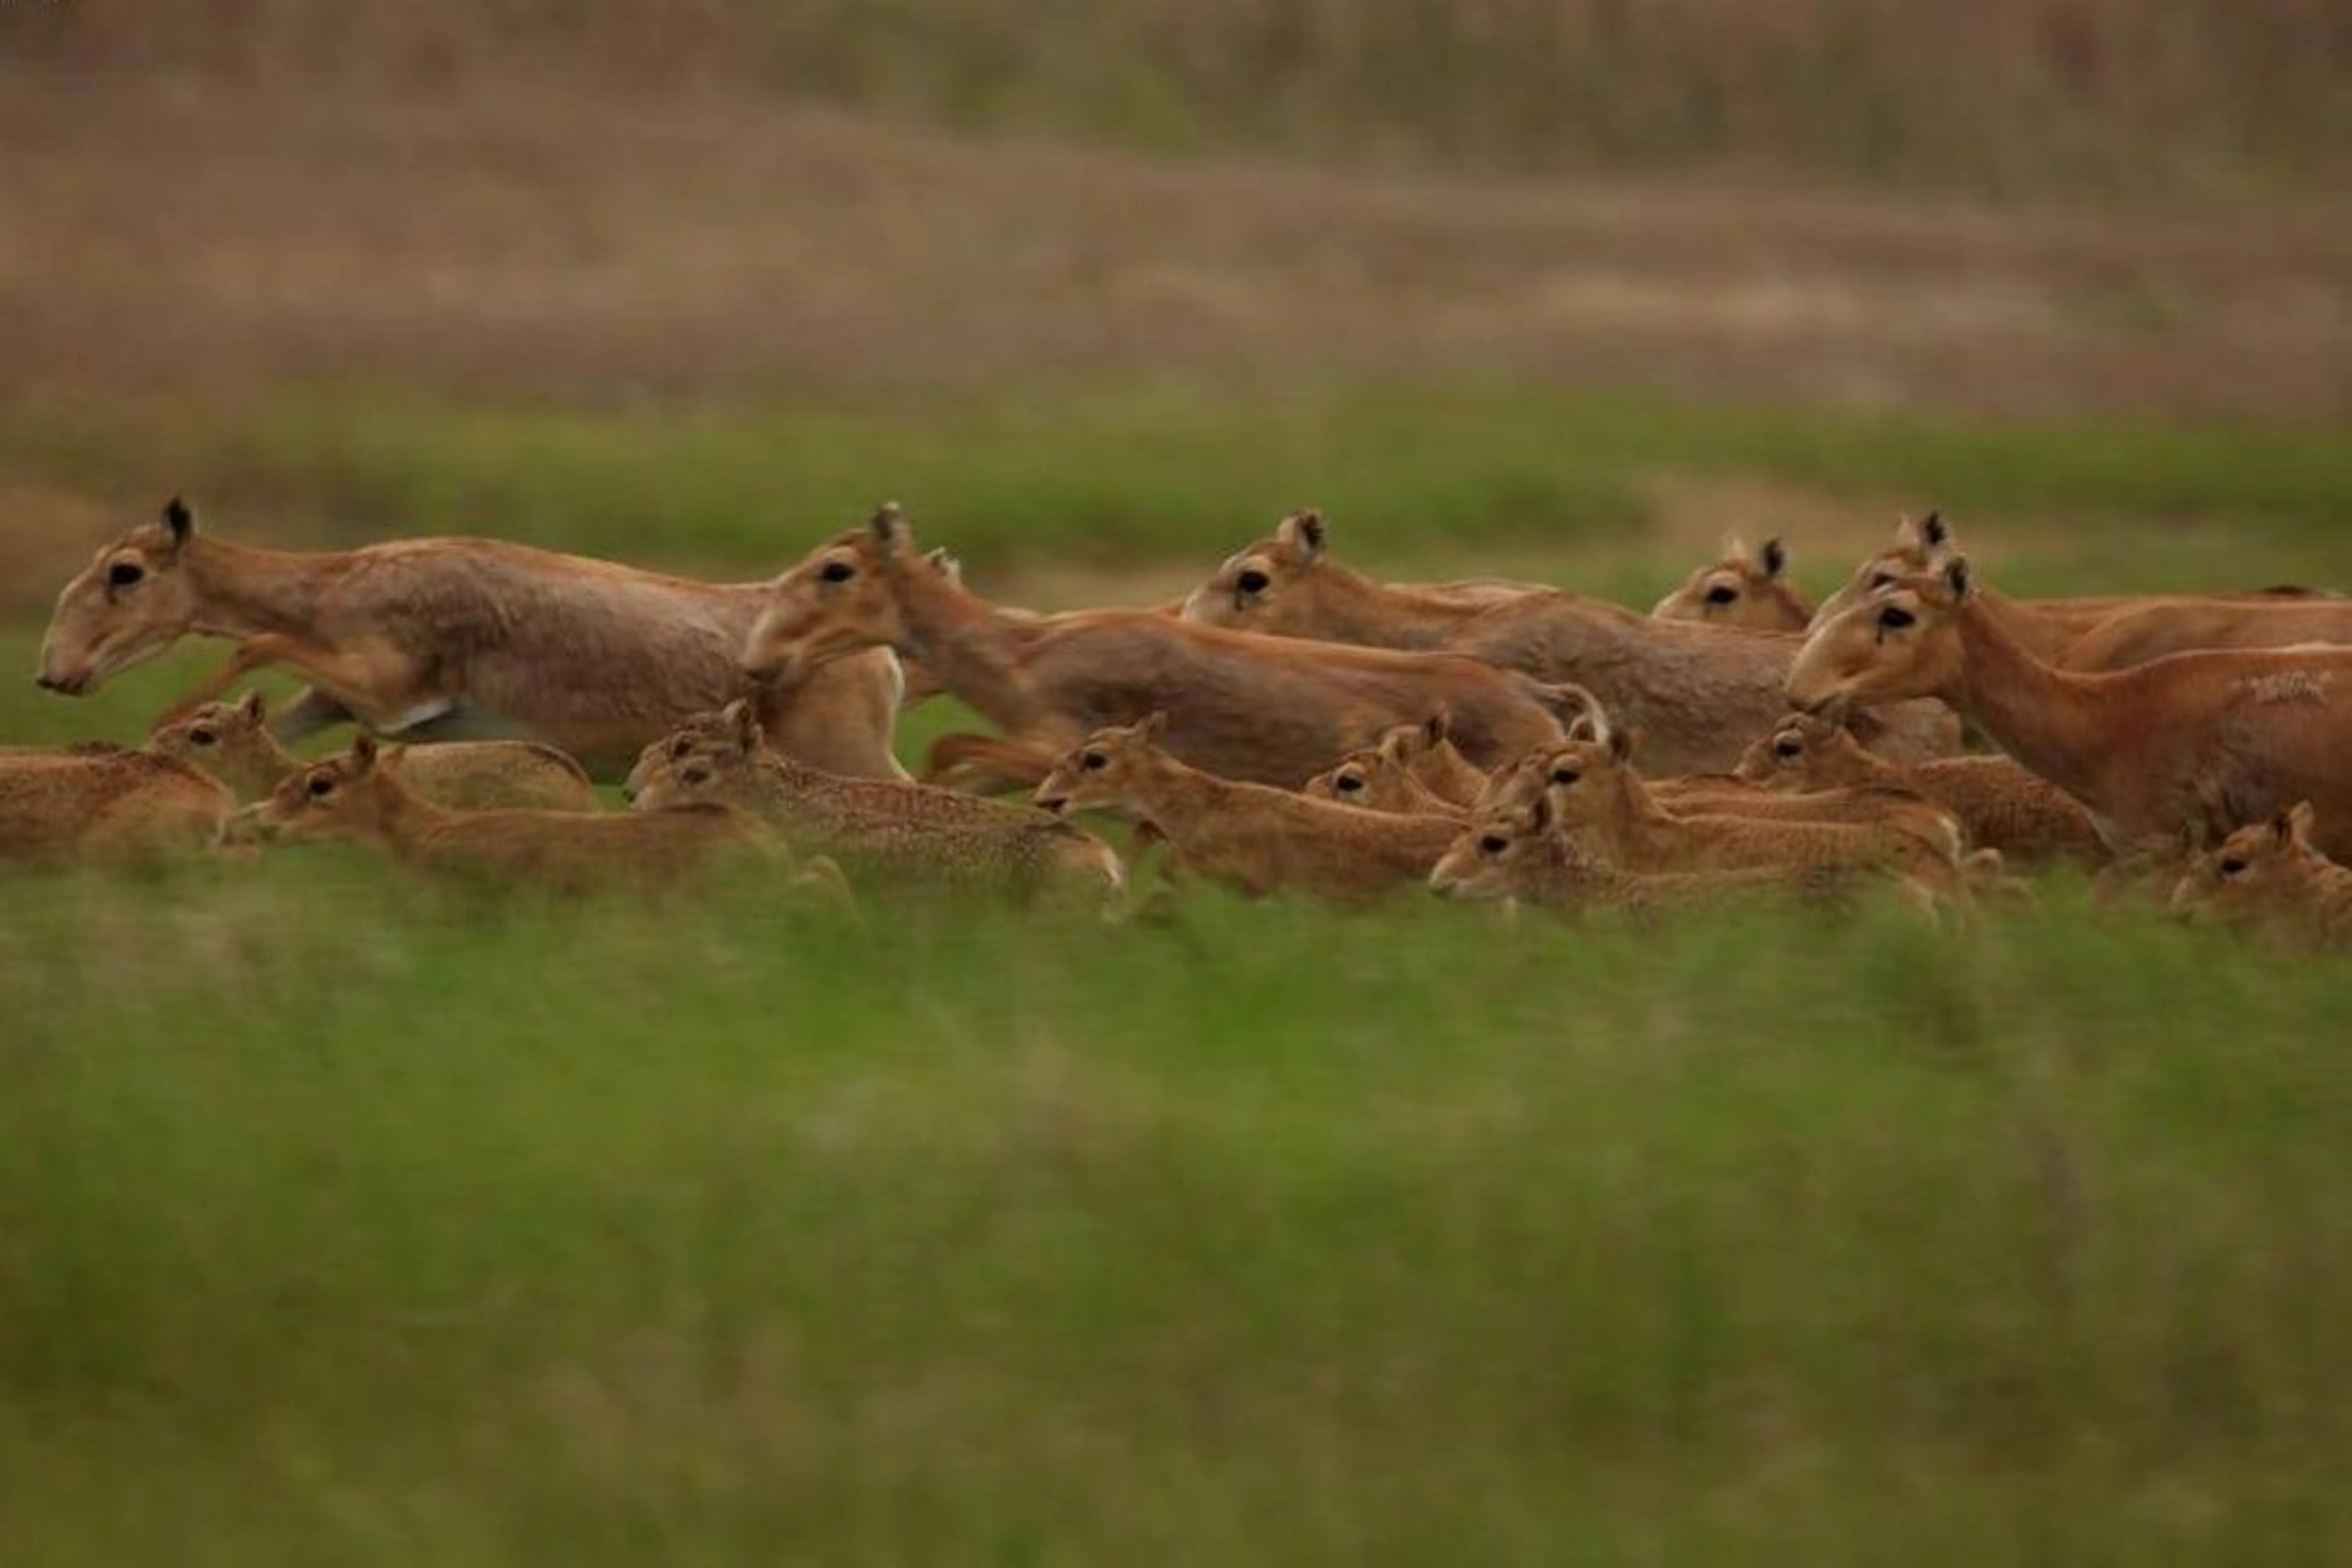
<point>1292,726</point>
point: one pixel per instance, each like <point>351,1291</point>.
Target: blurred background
<point>1098,290</point>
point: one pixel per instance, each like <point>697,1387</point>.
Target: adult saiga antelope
<point>1696,691</point>
<point>2050,628</point>
<point>437,638</point>
<point>2199,742</point>
<point>1262,710</point>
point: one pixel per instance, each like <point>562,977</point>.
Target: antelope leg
<point>984,763</point>
<point>376,684</point>
<point>309,711</point>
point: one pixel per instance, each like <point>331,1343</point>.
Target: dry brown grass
<point>2082,95</point>
<point>192,239</point>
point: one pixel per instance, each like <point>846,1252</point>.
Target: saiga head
<point>132,600</point>
<point>1253,589</point>
<point>1917,548</point>
<point>845,597</point>
<point>1903,642</point>
<point>1745,588</point>
<point>1099,772</point>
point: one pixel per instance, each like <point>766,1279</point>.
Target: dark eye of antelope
<point>1894,618</point>
<point>1789,749</point>
<point>1093,761</point>
<point>321,786</point>
<point>1722,593</point>
<point>201,736</point>
<point>696,774</point>
<point>125,573</point>
<point>1565,775</point>
<point>2233,867</point>
<point>680,749</point>
<point>1493,844</point>
<point>1347,784</point>
<point>837,572</point>
<point>1252,582</point>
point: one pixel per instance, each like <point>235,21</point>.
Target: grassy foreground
<point>409,1229</point>
<point>342,1221</point>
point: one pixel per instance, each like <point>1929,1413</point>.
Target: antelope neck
<point>2037,714</point>
<point>242,591</point>
<point>405,816</point>
<point>968,646</point>
<point>1173,796</point>
<point>1637,815</point>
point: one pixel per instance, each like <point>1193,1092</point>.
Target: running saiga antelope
<point>435,639</point>
<point>2200,741</point>
<point>351,797</point>
<point>901,831</point>
<point>1596,794</point>
<point>1694,691</point>
<point>2269,878</point>
<point>2048,627</point>
<point>1252,837</point>
<point>1259,708</point>
<point>231,741</point>
<point>1522,854</point>
<point>2001,804</point>
<point>105,805</point>
<point>1374,778</point>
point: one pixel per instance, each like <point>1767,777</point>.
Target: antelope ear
<point>2295,823</point>
<point>1590,720</point>
<point>253,706</point>
<point>1957,578</point>
<point>744,721</point>
<point>179,521</point>
<point>1303,531</point>
<point>1933,531</point>
<point>889,527</point>
<point>363,754</point>
<point>1154,727</point>
<point>1620,745</point>
<point>1540,813</point>
<point>943,560</point>
<point>1433,728</point>
<point>1775,559</point>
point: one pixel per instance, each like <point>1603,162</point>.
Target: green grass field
<point>349,1222</point>
<point>1437,478</point>
<point>341,1220</point>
